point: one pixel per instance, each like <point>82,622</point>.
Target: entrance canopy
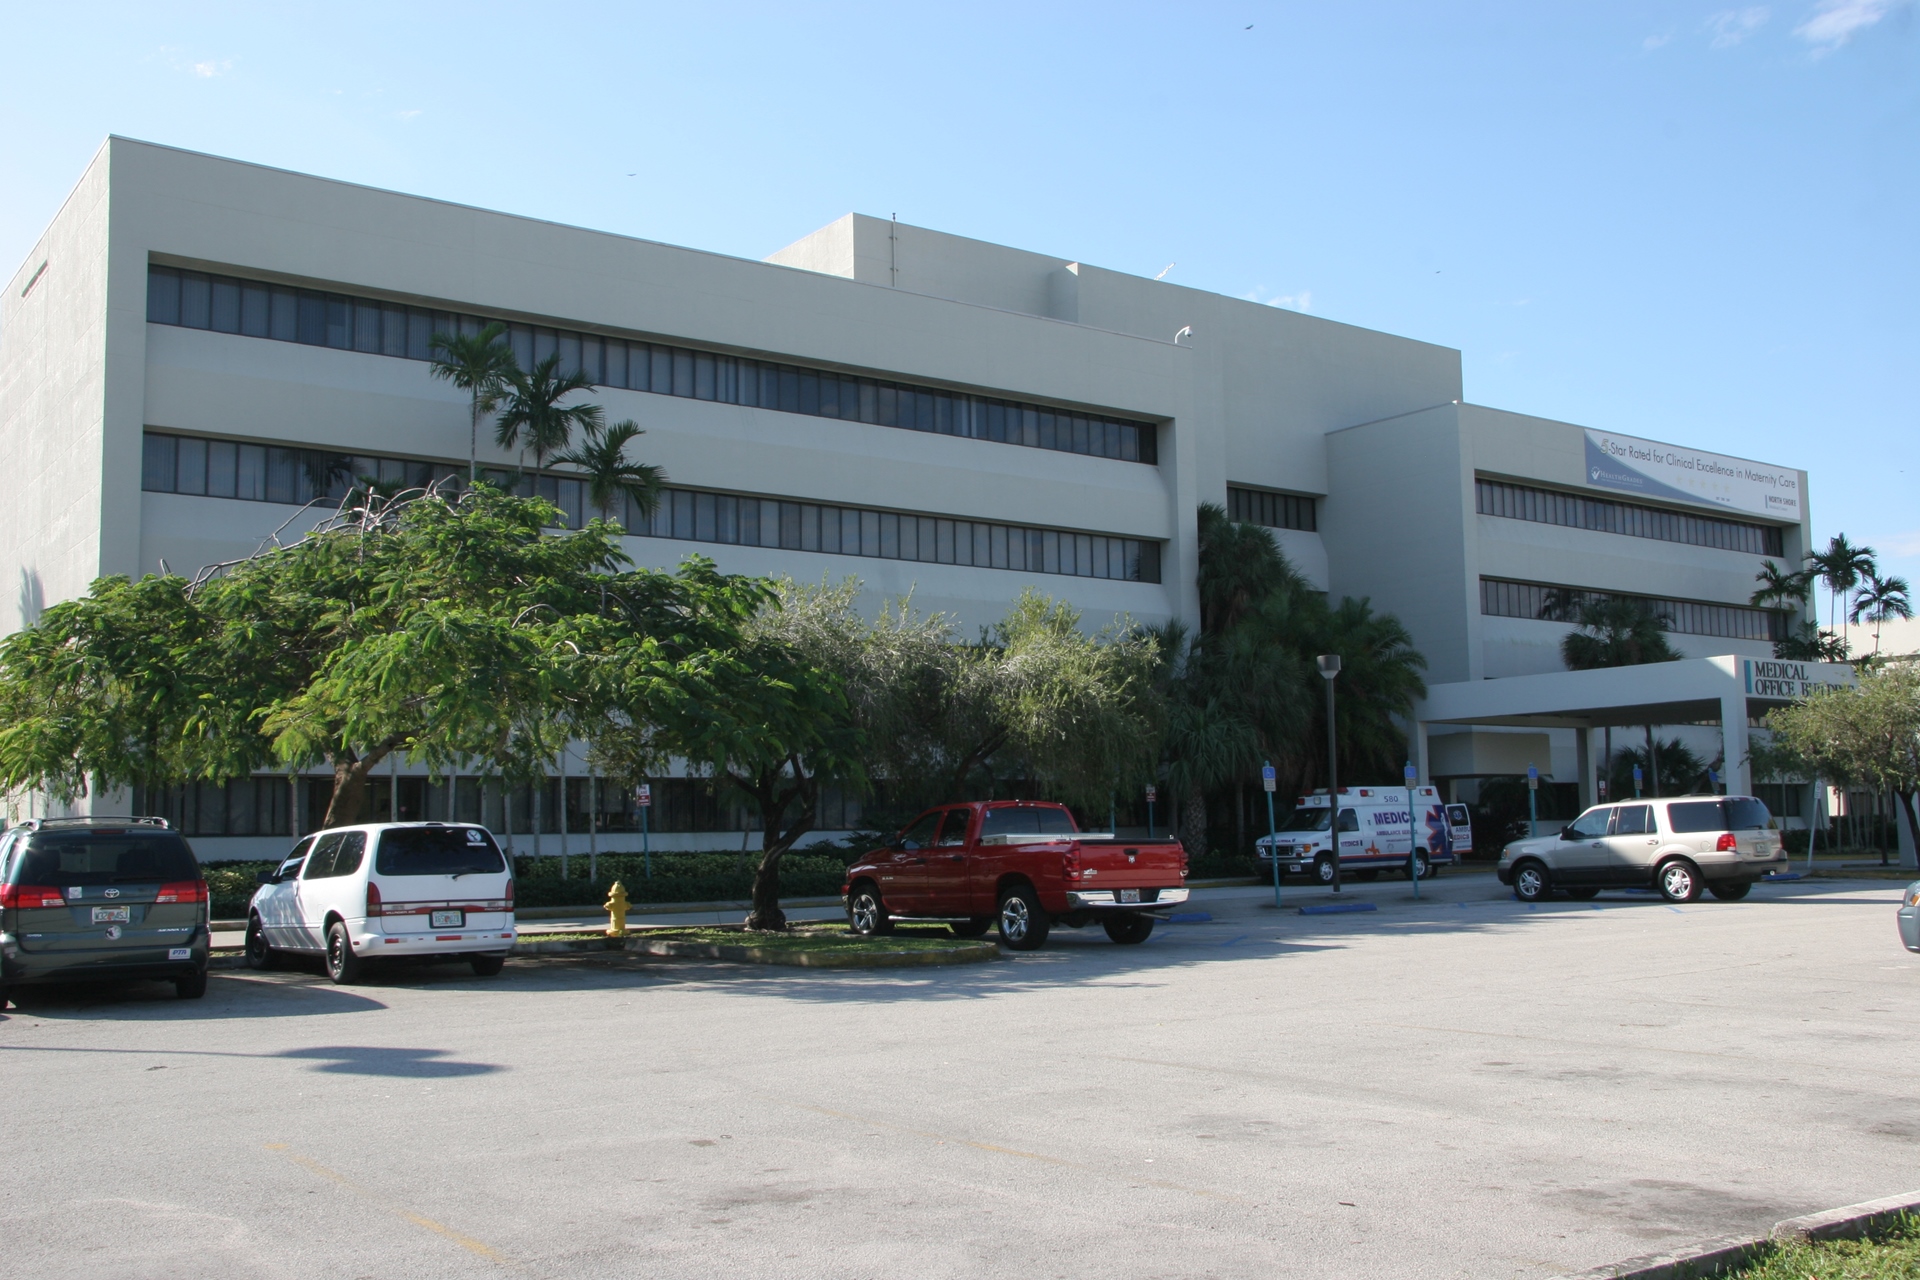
<point>1731,690</point>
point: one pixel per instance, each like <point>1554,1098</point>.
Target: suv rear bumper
<point>27,968</point>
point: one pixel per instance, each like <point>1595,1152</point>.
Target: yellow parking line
<point>438,1228</point>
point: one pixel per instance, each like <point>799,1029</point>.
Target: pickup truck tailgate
<point>1124,864</point>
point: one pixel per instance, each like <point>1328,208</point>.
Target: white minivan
<point>386,891</point>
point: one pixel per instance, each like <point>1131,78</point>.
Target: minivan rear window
<point>1739,813</point>
<point>1024,820</point>
<point>103,857</point>
<point>437,851</point>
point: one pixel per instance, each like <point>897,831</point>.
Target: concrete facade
<point>1370,426</point>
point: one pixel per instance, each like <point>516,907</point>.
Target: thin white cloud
<point>407,115</point>
<point>1901,544</point>
<point>1834,22</point>
<point>209,69</point>
<point>1732,26</point>
<point>1301,301</point>
<point>1654,42</point>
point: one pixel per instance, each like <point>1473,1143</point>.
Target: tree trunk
<point>778,793</point>
<point>349,801</point>
<point>1193,821</point>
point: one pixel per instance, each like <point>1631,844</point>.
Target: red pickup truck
<point>1023,866</point>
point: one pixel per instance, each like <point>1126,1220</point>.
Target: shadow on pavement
<point>413,1064</point>
<point>228,996</point>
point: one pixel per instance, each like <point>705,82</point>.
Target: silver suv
<point>1722,844</point>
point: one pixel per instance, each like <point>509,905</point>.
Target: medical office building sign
<point>1655,470</point>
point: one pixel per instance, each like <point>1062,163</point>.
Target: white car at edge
<point>386,891</point>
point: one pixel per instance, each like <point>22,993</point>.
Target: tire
<point>1323,868</point>
<point>260,955</point>
<point>1361,875</point>
<point>1129,930</point>
<point>1583,895</point>
<point>1678,880</point>
<point>867,912</point>
<point>1425,871</point>
<point>1531,882</point>
<point>488,966</point>
<point>1729,890</point>
<point>974,928</point>
<point>191,987</point>
<point>6,994</point>
<point>1023,922</point>
<point>343,966</point>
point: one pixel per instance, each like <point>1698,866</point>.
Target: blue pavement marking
<point>1234,942</point>
<point>1190,917</point>
<point>1677,911</point>
<point>1337,908</point>
<point>1783,875</point>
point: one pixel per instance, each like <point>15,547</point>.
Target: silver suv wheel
<point>1679,882</point>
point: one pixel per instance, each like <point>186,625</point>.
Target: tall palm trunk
<point>1193,821</point>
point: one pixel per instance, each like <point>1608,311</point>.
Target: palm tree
<point>1841,567</point>
<point>480,365</point>
<point>533,409</point>
<point>1613,631</point>
<point>1879,600</point>
<point>610,474</point>
<point>1778,587</point>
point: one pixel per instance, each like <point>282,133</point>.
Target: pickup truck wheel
<point>1129,929</point>
<point>1323,868</point>
<point>867,913</point>
<point>974,928</point>
<point>1530,882</point>
<point>1023,921</point>
<point>1678,880</point>
<point>1729,890</point>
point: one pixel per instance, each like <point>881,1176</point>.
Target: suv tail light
<point>182,891</point>
<point>374,910</point>
<point>30,895</point>
<point>1726,843</point>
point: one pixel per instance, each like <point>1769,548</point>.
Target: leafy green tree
<point>1879,601</point>
<point>612,476</point>
<point>455,631</point>
<point>482,365</point>
<point>1680,770</point>
<point>533,420</point>
<point>1868,735</point>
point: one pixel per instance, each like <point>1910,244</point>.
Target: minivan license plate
<point>449,919</point>
<point>111,915</point>
<point>1129,895</point>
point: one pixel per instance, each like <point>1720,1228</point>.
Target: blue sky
<point>1687,221</point>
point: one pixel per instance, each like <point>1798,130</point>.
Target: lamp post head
<point>1329,664</point>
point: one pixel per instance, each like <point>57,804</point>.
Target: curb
<point>1715,1257</point>
<point>748,954</point>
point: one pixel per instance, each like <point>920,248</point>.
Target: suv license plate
<point>449,919</point>
<point>112,915</point>
<point>1129,895</point>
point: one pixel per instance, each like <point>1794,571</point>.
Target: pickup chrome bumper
<point>1109,898</point>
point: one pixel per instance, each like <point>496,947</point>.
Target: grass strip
<point>1891,1254</point>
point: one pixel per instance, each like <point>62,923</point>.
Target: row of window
<point>270,473</point>
<point>1501,598</point>
<point>1274,510</point>
<point>230,305</point>
<point>1604,515</point>
<point>260,806</point>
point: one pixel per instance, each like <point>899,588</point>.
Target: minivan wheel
<point>488,966</point>
<point>1024,923</point>
<point>1678,881</point>
<point>343,965</point>
<point>1530,882</point>
<point>192,987</point>
<point>259,954</point>
<point>1729,890</point>
<point>867,913</point>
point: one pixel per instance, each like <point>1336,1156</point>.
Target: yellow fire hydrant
<point>616,909</point>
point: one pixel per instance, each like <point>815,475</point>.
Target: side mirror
<point>1566,832</point>
<point>909,846</point>
<point>266,878</point>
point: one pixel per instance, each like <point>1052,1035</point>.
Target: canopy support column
<point>1735,770</point>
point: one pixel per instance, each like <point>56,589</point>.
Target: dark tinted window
<point>1590,825</point>
<point>1698,815</point>
<point>1744,813</point>
<point>105,857</point>
<point>320,862</point>
<point>1349,820</point>
<point>953,831</point>
<point>1633,820</point>
<point>1021,820</point>
<point>337,854</point>
<point>1308,820</point>
<point>437,851</point>
<point>920,834</point>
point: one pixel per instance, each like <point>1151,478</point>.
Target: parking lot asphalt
<point>1457,1087</point>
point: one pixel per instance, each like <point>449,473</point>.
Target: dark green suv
<point>95,899</point>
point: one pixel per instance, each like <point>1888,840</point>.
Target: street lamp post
<point>1267,781</point>
<point>1533,802</point>
<point>1413,831</point>
<point>1329,664</point>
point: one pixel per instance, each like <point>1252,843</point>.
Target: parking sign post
<point>1153,793</point>
<point>1269,780</point>
<point>1533,800</point>
<point>1413,831</point>
<point>1636,782</point>
<point>643,796</point>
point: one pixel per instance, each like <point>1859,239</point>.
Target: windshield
<point>437,851</point>
<point>1026,820</point>
<point>106,857</point>
<point>1307,820</point>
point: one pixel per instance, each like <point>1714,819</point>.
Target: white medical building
<point>196,347</point>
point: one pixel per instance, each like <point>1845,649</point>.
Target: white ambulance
<point>1373,833</point>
